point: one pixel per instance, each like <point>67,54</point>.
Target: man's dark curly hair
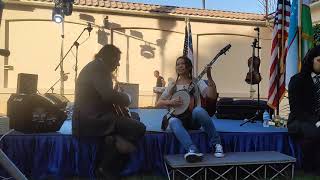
<point>307,63</point>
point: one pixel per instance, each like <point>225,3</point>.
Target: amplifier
<point>228,108</point>
<point>34,113</point>
<point>27,83</point>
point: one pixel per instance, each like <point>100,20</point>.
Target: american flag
<point>278,53</point>
<point>187,47</point>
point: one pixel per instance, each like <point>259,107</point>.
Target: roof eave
<point>96,9</point>
<point>315,4</point>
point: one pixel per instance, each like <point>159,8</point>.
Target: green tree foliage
<point>316,35</point>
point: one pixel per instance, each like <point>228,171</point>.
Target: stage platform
<point>61,155</point>
<point>235,165</point>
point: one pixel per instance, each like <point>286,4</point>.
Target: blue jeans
<point>199,117</point>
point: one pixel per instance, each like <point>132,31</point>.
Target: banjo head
<point>185,97</point>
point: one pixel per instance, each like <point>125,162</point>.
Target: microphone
<point>4,52</point>
<point>89,28</point>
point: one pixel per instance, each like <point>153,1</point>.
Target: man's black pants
<point>111,159</point>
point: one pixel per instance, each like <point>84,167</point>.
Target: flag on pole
<point>306,28</point>
<point>278,53</point>
<point>300,30</point>
<point>187,47</point>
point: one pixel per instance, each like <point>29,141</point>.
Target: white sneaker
<point>218,151</point>
<point>193,156</point>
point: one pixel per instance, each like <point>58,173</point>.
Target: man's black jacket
<point>302,117</point>
<point>93,113</point>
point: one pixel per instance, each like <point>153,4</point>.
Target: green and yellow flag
<point>306,28</point>
<point>300,38</point>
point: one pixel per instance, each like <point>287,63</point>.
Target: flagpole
<point>282,37</point>
<point>278,76</point>
<point>299,35</point>
<point>280,58</point>
<point>278,68</point>
<point>196,60</point>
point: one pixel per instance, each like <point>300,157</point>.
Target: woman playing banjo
<point>196,116</point>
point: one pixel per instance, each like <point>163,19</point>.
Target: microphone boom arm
<point>74,44</point>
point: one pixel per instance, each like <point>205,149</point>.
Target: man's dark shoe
<point>101,174</point>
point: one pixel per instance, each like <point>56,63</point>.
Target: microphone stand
<point>258,112</point>
<point>258,56</point>
<point>61,57</point>
<point>76,66</point>
<point>64,78</point>
<point>252,119</point>
<point>77,47</point>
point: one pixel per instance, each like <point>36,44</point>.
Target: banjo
<point>185,94</point>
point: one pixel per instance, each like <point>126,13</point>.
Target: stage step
<point>234,162</point>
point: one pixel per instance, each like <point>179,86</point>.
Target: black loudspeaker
<point>60,101</point>
<point>34,113</point>
<point>27,83</point>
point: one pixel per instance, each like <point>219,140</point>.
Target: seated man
<point>95,114</point>
<point>304,100</point>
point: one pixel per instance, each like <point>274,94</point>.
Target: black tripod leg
<point>247,120</point>
<point>251,119</point>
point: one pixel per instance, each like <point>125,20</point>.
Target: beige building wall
<point>315,12</point>
<point>35,43</point>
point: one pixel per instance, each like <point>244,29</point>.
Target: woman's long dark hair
<point>188,64</point>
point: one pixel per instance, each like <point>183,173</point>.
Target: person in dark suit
<point>304,100</point>
<point>94,113</point>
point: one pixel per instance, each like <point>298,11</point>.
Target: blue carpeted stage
<point>60,155</point>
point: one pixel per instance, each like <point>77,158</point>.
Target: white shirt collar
<point>313,74</point>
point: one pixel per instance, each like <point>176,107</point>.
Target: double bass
<point>253,76</point>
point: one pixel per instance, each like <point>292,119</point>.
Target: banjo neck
<point>185,95</point>
<point>199,77</point>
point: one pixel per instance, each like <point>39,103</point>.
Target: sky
<point>250,6</point>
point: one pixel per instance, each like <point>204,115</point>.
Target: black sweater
<point>93,113</point>
<point>302,117</point>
